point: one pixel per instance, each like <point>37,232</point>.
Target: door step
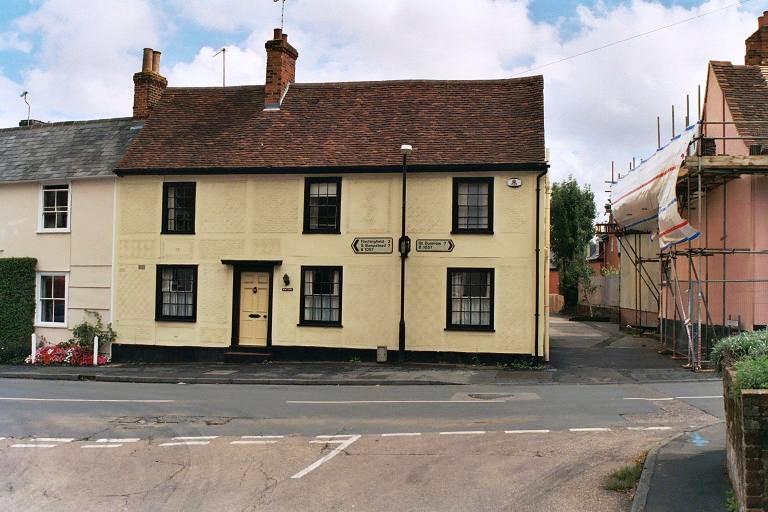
<point>243,356</point>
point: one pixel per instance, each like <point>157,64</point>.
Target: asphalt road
<point>97,446</point>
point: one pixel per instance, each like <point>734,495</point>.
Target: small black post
<point>404,248</point>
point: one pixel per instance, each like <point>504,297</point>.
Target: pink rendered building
<point>732,212</point>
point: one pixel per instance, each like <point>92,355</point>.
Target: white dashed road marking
<point>186,443</point>
<point>668,398</point>
<point>19,399</point>
<point>358,402</point>
<point>343,444</point>
<point>343,440</point>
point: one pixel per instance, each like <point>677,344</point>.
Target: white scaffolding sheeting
<point>644,199</point>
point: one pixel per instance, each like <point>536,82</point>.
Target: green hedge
<point>751,373</point>
<point>728,351</point>
<point>17,307</point>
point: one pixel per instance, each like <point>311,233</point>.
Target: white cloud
<point>12,41</point>
<point>85,58</point>
<point>599,107</point>
<point>244,66</point>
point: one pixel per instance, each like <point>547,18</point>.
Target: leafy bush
<point>17,307</point>
<point>751,373</point>
<point>740,346</point>
<point>83,333</point>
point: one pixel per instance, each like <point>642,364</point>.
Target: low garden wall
<point>746,415</point>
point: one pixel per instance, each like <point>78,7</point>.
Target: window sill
<point>175,320</point>
<point>51,325</point>
<point>177,233</point>
<point>317,324</point>
<point>52,230</point>
<point>472,232</point>
<point>469,328</point>
<point>319,232</point>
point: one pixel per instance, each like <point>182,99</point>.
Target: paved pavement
<point>326,373</point>
<point>497,444</point>
<point>690,473</point>
<point>583,353</point>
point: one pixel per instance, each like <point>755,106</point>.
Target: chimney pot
<point>285,37</point>
<point>278,34</point>
<point>156,62</point>
<point>762,21</point>
<point>146,61</point>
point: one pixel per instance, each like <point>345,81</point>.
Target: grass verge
<point>625,479</point>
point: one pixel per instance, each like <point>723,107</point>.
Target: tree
<point>573,212</point>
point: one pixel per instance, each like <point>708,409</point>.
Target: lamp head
<point>406,149</point>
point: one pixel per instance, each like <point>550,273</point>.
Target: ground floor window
<point>470,299</point>
<point>176,298</point>
<point>52,299</point>
<point>321,296</point>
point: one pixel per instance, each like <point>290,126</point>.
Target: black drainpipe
<point>538,264</point>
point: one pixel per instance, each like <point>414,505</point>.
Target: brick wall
<point>148,89</point>
<point>747,444</point>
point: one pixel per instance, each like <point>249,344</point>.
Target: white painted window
<point>52,297</point>
<point>55,207</point>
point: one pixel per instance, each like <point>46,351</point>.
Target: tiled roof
<point>352,125</point>
<point>73,149</point>
<point>746,93</point>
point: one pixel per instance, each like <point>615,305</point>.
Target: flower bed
<point>65,354</point>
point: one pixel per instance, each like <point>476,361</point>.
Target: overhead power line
<point>630,38</point>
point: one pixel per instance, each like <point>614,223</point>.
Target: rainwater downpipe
<point>536,305</point>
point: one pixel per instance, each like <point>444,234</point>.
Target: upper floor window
<point>55,208</point>
<point>176,295</point>
<point>470,299</point>
<point>322,205</point>
<point>52,299</point>
<point>179,208</point>
<point>321,296</point>
<point>472,205</point>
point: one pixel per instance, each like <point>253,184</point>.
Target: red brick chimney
<point>757,44</point>
<point>281,69</point>
<point>148,85</point>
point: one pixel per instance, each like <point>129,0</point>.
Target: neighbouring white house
<point>57,193</point>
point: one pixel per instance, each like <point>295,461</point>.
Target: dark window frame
<point>308,182</point>
<point>181,184</point>
<point>159,317</point>
<point>321,323</point>
<point>449,325</point>
<point>455,229</point>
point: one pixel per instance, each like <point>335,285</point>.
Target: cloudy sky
<point>77,57</point>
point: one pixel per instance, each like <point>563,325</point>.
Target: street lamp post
<point>404,246</point>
